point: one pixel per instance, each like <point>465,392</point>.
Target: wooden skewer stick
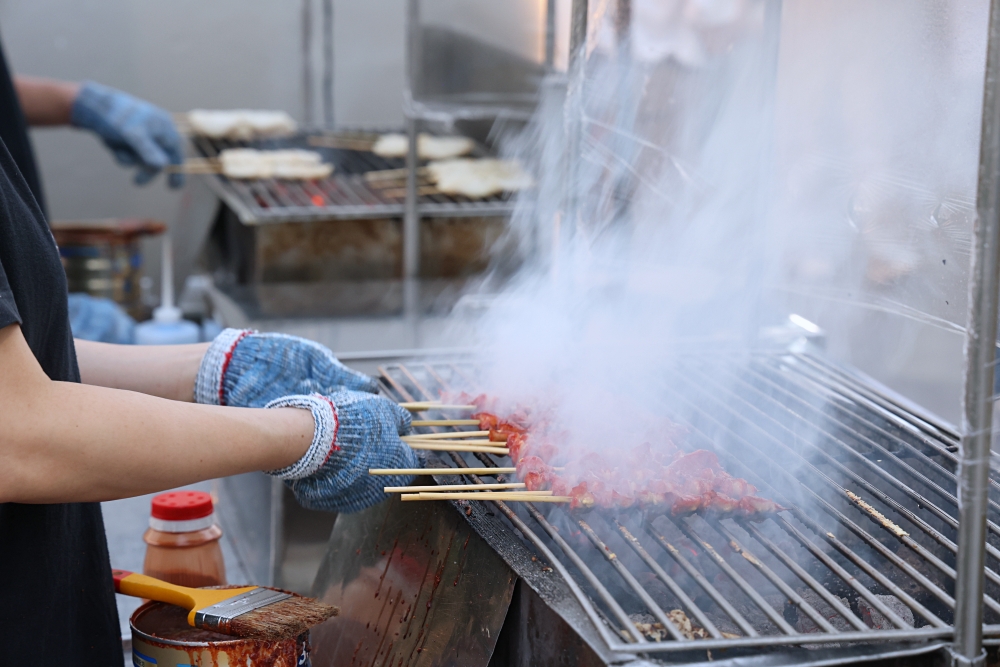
<point>449,435</point>
<point>487,495</point>
<point>441,471</point>
<point>195,166</point>
<point>452,487</point>
<point>420,438</point>
<point>391,174</point>
<point>399,193</point>
<point>349,143</point>
<point>445,422</point>
<point>455,447</point>
<point>418,406</point>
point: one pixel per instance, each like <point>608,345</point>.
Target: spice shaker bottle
<point>182,542</point>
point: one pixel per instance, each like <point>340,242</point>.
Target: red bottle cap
<point>182,505</point>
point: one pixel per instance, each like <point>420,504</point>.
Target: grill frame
<point>399,381</point>
<point>346,193</point>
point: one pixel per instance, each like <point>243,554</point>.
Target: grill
<point>343,195</point>
<point>865,551</point>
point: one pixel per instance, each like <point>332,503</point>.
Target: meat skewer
<point>422,406</point>
<point>444,422</point>
<point>441,471</point>
<point>453,487</point>
<point>665,480</point>
<point>486,495</point>
<point>691,483</point>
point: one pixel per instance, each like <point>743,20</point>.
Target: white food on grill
<point>429,147</point>
<point>242,124</point>
<point>292,164</point>
<point>480,178</point>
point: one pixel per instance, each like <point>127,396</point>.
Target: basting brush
<point>252,612</point>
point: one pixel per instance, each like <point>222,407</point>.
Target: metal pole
<point>411,215</point>
<point>328,64</point>
<point>411,212</point>
<point>550,34</point>
<point>307,64</point>
<point>573,112</point>
<point>980,353</point>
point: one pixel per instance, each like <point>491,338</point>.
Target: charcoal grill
<point>870,486</point>
<point>343,195</point>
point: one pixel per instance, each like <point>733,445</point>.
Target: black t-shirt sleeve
<point>8,309</point>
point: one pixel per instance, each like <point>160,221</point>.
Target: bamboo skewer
<point>441,471</point>
<point>418,438</point>
<point>455,447</point>
<point>487,495</point>
<point>452,487</point>
<point>195,166</point>
<point>348,143</point>
<point>399,193</point>
<point>420,406</point>
<point>445,422</point>
<point>448,436</point>
<point>391,174</point>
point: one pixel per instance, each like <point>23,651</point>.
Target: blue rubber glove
<point>137,132</point>
<point>247,369</point>
<point>100,319</point>
<point>354,431</point>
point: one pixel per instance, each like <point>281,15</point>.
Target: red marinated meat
<point>487,421</point>
<point>752,506</point>
<point>535,473</point>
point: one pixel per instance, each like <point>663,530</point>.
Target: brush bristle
<point>285,619</point>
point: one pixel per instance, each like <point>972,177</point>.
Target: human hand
<point>246,369</point>
<point>137,132</point>
<point>354,431</point>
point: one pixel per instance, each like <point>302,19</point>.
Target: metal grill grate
<point>870,530</point>
<point>343,195</point>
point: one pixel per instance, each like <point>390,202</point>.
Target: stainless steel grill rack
<point>871,525</point>
<point>344,195</point>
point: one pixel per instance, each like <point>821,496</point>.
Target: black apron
<point>57,601</point>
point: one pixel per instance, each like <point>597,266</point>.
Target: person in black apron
<point>86,422</point>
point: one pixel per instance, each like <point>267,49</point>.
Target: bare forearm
<point>66,442</point>
<point>167,371</point>
<point>46,101</point>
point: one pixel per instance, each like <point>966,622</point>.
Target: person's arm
<point>167,371</point>
<point>46,101</point>
<point>139,134</point>
<point>67,442</point>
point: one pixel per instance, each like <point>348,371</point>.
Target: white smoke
<point>701,201</point>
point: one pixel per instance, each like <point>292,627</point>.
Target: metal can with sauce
<point>161,637</point>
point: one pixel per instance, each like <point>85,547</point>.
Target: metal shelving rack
<point>446,110</point>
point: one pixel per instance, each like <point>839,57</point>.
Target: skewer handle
<point>418,406</point>
<point>448,436</point>
<point>487,495</point>
<point>452,487</point>
<point>452,447</point>
<point>440,471</point>
<point>445,422</point>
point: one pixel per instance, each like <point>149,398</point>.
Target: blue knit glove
<point>138,133</point>
<point>354,431</point>
<point>247,369</point>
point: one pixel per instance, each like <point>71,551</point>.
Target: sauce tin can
<point>161,637</point>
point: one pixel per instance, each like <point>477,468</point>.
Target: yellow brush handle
<point>192,599</point>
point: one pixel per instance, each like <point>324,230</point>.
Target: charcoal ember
<point>655,631</point>
<point>805,624</point>
<point>874,618</point>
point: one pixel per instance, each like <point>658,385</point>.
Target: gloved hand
<point>247,369</point>
<point>138,133</point>
<point>354,431</point>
